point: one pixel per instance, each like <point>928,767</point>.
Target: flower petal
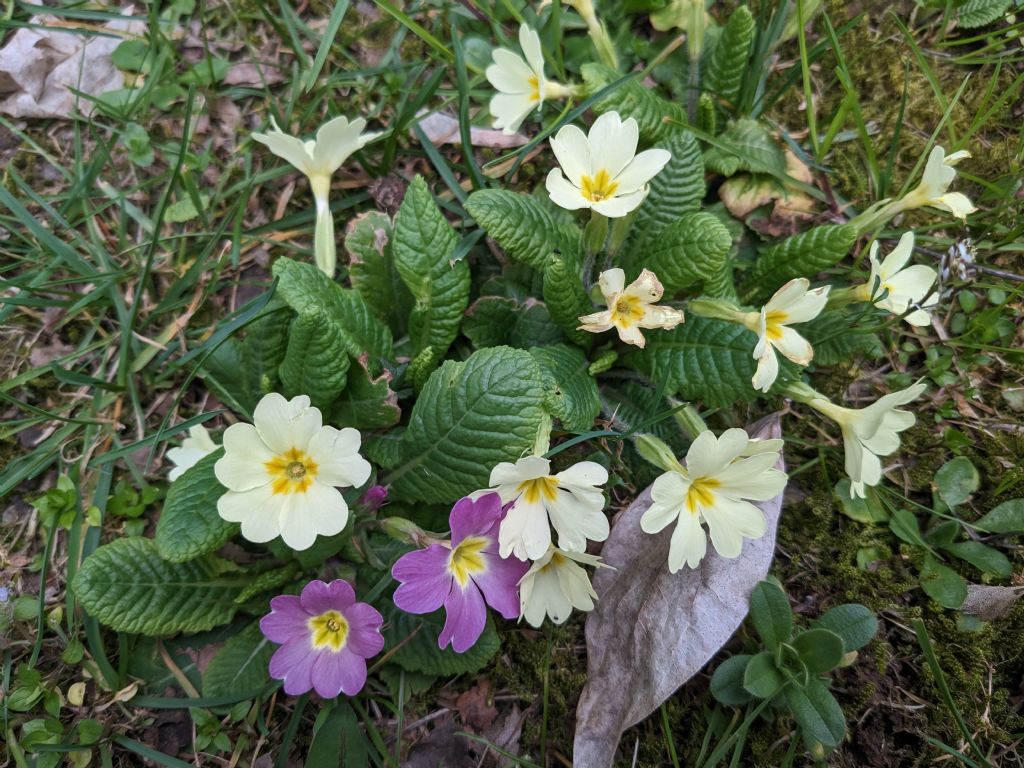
<point>286,620</point>
<point>243,465</point>
<point>465,618</point>
<point>644,167</point>
<point>258,510</point>
<point>318,597</point>
<point>572,151</point>
<point>286,424</point>
<point>524,533</point>
<point>620,205</point>
<point>612,283</point>
<point>897,258</point>
<point>564,194</point>
<point>337,672</point>
<point>794,346</point>
<point>336,453</point>
<point>293,663</point>
<point>425,581</point>
<point>288,148</point>
<point>364,623</point>
<point>529,41</point>
<point>510,110</point>
<point>612,143</point>
<point>498,583</point>
<point>475,517</point>
<point>688,544</point>
<point>319,511</point>
<point>509,73</point>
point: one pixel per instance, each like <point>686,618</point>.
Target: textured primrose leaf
<point>189,525</point>
<point>423,247</point>
<point>470,416</point>
<point>416,639</point>
<point>566,298</point>
<point>496,320</point>
<point>523,226</point>
<point>240,666</point>
<point>724,74</point>
<point>367,402</point>
<point>835,338</point>
<point>572,392</point>
<point>746,145</point>
<point>127,586</point>
<point>316,363</point>
<point>692,249</point>
<point>803,255</point>
<point>978,13</point>
<point>656,117</point>
<point>372,270</point>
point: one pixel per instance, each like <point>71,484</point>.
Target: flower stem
<point>595,235</point>
<point>690,421</point>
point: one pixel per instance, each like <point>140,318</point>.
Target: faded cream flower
<point>571,500</point>
<point>193,448</point>
<point>792,303</point>
<point>521,83</point>
<point>555,584</point>
<point>631,308</point>
<point>939,173</point>
<point>604,171</point>
<point>720,478</point>
<point>318,159</point>
<point>870,432</point>
<point>897,287</point>
<point>283,473</point>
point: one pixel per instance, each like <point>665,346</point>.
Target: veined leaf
<point>418,638</point>
<point>817,712</point>
<point>746,145</point>
<point>522,225</point>
<point>566,298</point>
<point>656,117</point>
<point>371,268</point>
<point>367,402</point>
<point>688,251</point>
<point>240,666</point>
<point>978,13</point>
<point>315,363</point>
<point>189,525</point>
<point>572,391</point>
<point>724,74</point>
<point>803,255</point>
<point>496,320</point>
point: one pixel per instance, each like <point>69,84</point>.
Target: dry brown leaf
<point>444,129</point>
<point>652,630</point>
<point>990,603</point>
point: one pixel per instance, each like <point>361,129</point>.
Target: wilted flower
<point>932,191</point>
<point>326,638</point>
<point>604,171</point>
<point>720,478</point>
<point>631,308</point>
<point>895,287</point>
<point>870,432</point>
<point>555,584</point>
<point>193,448</point>
<point>521,83</point>
<point>571,499</point>
<point>335,141</point>
<point>462,574</point>
<point>282,474</point>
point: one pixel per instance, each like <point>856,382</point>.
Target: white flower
<point>554,585</point>
<point>282,474</point>
<point>896,288</point>
<point>335,141</point>
<point>521,83</point>
<point>792,303</point>
<point>713,488</point>
<point>193,448</point>
<point>870,432</point>
<point>571,499</point>
<point>631,308</point>
<point>604,171</point>
<point>938,175</point>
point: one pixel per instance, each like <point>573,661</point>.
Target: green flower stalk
<point>598,34</point>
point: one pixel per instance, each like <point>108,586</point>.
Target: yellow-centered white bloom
<point>870,432</point>
<point>571,500</point>
<point>193,448</point>
<point>792,303</point>
<point>720,477</point>
<point>602,168</point>
<point>283,473</point>
<point>896,287</point>
<point>521,83</point>
<point>555,584</point>
<point>319,158</point>
<point>939,173</point>
<point>631,307</point>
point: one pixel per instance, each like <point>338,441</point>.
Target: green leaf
<point>746,145</point>
<point>978,13</point>
<point>240,372</point>
<point>942,584</point>
<point>762,678</point>
<point>420,368</point>
<point>817,712</point>
<point>656,117</point>
<point>127,586</point>
<point>820,649</point>
<point>189,525</point>
<point>266,581</point>
<point>338,742</point>
<point>470,416</point>
<point>1008,517</point>
<point>866,510</point>
<point>691,249</point>
<point>771,615</point>
<point>835,339</point>
<point>854,623</point>
<point>385,450</point>
<point>727,682</point>
<point>523,226</point>
<point>701,359</point>
<point>572,391</point>
<point>415,638</point>
<point>904,524</point>
<point>566,298</point>
<point>366,402</point>
<point>943,534</point>
<point>371,268</point>
<point>423,247</point>
<point>724,74</point>
<point>240,666</point>
<point>986,559</point>
<point>315,363</point>
<point>956,481</point>
<point>496,320</point>
<point>803,255</point>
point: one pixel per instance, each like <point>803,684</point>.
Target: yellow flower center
<point>701,494</point>
<point>628,311</point>
<point>556,561</point>
<point>534,88</point>
<point>773,324</point>
<point>598,187</point>
<point>465,559</point>
<point>329,630</point>
<point>538,488</point>
<point>292,472</point>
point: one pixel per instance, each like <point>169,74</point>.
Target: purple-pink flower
<point>463,574</point>
<point>326,639</point>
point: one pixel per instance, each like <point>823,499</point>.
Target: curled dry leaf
<point>652,630</point>
<point>989,603</point>
<point>444,129</point>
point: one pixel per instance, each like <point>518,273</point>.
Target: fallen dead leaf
<point>990,603</point>
<point>444,129</point>
<point>475,708</point>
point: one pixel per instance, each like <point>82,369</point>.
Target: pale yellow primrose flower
<point>521,83</point>
<point>283,473</point>
<point>193,448</point>
<point>870,432</point>
<point>604,171</point>
<point>720,477</point>
<point>902,286</point>
<point>938,175</point>
<point>792,303</point>
<point>335,141</point>
<point>631,308</point>
<point>570,499</point>
<point>555,584</point>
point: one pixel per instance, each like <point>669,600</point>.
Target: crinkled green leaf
<point>522,225</point>
<point>572,391</point>
<point>367,402</point>
<point>127,586</point>
<point>496,320</point>
<point>371,268</point>
<point>421,366</point>
<point>273,579</point>
<point>316,362</point>
<point>566,297</point>
<point>656,117</point>
<point>835,338</point>
<point>416,640</point>
<point>423,246</point>
<point>189,525</point>
<point>470,416</point>
<point>240,666</point>
<point>691,249</point>
<point>978,13</point>
<point>803,255</point>
<point>724,74</point>
<point>338,740</point>
<point>746,145</point>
